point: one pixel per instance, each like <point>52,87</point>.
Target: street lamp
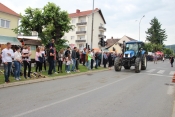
<point>92,25</point>
<point>139,26</point>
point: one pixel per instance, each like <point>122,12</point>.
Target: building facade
<point>116,44</point>
<point>8,21</point>
<point>81,33</point>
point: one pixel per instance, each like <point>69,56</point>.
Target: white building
<point>81,34</point>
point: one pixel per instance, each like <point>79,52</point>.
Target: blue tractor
<point>133,55</point>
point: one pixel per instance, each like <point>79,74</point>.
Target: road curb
<point>47,79</point>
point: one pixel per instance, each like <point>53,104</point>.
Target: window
<point>81,46</point>
<point>73,21</point>
<point>7,24</point>
<point>4,23</point>
<point>82,19</point>
<point>82,29</point>
<point>73,29</point>
<point>72,37</point>
<point>81,37</point>
<point>33,48</point>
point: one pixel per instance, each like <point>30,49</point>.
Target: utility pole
<point>139,26</point>
<point>92,25</point>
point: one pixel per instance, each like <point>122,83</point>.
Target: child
<point>68,62</point>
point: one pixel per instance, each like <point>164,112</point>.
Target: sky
<point>122,16</point>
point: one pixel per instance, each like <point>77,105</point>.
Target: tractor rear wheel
<point>144,62</point>
<point>118,64</point>
<point>138,65</point>
<point>127,67</point>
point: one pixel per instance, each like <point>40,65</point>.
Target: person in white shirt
<point>17,63</point>
<point>7,55</point>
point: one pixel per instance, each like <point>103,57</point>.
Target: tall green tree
<point>50,22</point>
<point>155,34</point>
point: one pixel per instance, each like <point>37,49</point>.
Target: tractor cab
<point>132,49</point>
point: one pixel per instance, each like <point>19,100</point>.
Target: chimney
<point>77,11</point>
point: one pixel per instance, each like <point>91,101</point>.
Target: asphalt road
<point>103,94</point>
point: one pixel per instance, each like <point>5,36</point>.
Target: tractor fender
<point>143,52</point>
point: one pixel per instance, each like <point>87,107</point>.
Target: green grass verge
<point>45,73</point>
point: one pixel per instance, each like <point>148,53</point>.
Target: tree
<point>167,51</point>
<point>152,47</point>
<point>155,34</point>
<point>50,23</point>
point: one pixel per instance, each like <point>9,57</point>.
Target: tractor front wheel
<point>138,65</point>
<point>144,62</point>
<point>118,64</point>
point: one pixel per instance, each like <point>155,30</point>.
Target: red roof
<point>85,13</point>
<point>5,9</point>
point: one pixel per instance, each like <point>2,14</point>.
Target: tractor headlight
<point>129,56</point>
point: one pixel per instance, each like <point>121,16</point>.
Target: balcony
<point>80,40</point>
<point>102,28</point>
<point>82,23</point>
<point>101,35</point>
<point>80,32</point>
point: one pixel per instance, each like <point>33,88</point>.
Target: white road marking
<point>172,72</point>
<point>46,106</point>
<point>156,75</point>
<point>152,70</point>
<point>161,71</point>
<point>170,90</point>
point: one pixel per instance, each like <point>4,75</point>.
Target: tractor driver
<point>135,47</point>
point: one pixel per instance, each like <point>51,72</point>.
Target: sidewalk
<point>47,79</point>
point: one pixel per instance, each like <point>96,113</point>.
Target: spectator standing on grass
<point>44,57</point>
<point>68,62</point>
<point>99,58</point>
<point>60,60</point>
<point>89,60</point>
<point>26,62</point>
<point>96,60</point>
<point>51,60</point>
<point>74,57</point>
<point>17,63</point>
<point>7,55</point>
<point>55,61</point>
<point>84,56</point>
<point>171,60</point>
<point>67,52</point>
<point>77,60</point>
<point>38,59</point>
<point>92,59</point>
<point>105,59</point>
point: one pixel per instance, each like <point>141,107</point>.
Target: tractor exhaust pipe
<point>123,47</point>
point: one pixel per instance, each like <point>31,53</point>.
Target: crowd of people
<point>70,58</point>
